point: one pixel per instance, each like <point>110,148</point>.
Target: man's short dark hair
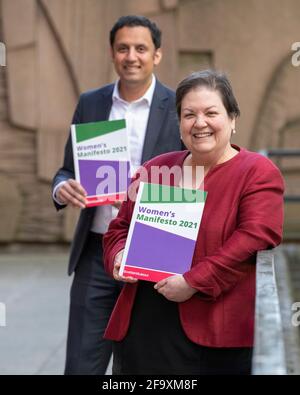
<point>213,80</point>
<point>133,21</point>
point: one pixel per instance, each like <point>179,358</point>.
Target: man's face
<point>134,55</point>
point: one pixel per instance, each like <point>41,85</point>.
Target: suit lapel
<point>157,115</point>
<point>104,104</point>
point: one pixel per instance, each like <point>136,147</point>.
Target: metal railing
<point>281,153</point>
<point>277,341</point>
<point>269,353</point>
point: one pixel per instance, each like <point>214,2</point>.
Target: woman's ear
<point>157,56</point>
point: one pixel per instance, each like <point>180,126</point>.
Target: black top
<point>156,343</point>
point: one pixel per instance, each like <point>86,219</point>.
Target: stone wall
<point>59,48</point>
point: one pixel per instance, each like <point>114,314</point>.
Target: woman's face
<point>205,125</point>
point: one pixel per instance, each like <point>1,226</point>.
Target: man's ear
<point>157,56</point>
<point>112,55</point>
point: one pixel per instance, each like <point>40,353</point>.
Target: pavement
<point>34,303</point>
<point>34,299</point>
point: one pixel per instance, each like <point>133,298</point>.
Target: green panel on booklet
<point>157,193</point>
<point>90,130</point>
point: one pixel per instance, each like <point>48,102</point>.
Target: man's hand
<point>175,289</point>
<point>117,264</point>
<point>71,192</point>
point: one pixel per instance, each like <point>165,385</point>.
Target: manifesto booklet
<point>163,232</point>
<point>101,160</point>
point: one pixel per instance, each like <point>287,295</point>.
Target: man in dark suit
<point>152,126</point>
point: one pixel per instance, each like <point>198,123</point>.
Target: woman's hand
<point>117,265</point>
<point>175,289</point>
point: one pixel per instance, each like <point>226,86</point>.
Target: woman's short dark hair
<point>136,20</point>
<point>213,80</point>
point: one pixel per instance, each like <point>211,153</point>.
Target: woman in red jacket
<point>201,322</point>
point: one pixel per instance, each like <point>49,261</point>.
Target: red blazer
<point>243,214</point>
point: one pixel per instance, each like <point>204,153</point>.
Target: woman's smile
<point>201,135</point>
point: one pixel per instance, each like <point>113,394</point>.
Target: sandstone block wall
<point>57,49</point>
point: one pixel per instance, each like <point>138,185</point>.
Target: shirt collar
<point>148,95</point>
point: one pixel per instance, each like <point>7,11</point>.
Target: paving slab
<point>34,291</point>
<point>34,287</point>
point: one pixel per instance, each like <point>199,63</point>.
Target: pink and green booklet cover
<point>101,160</point>
<point>163,232</point>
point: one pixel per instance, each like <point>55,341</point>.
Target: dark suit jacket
<point>162,135</point>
